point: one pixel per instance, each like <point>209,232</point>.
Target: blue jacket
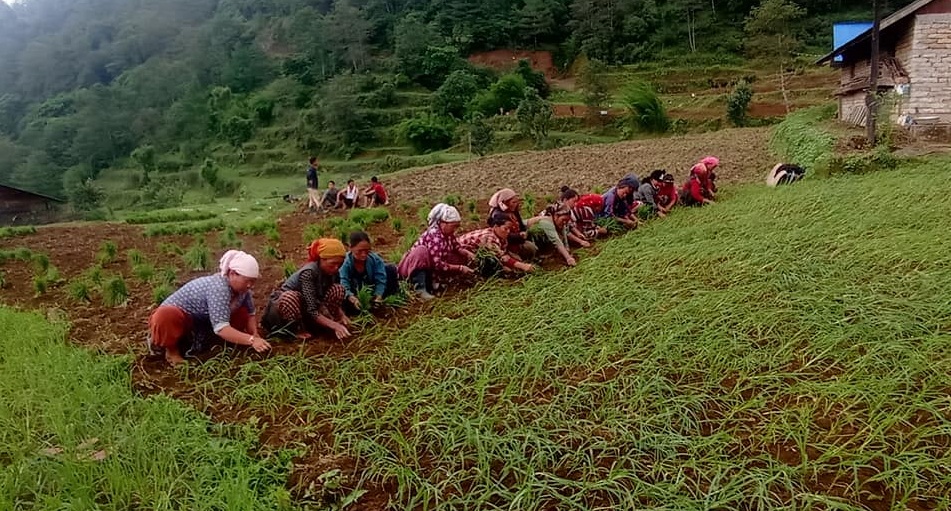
<point>375,275</point>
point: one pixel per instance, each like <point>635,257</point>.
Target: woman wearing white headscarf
<point>437,253</point>
<point>218,304</point>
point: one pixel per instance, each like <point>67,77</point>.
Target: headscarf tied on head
<point>325,248</point>
<point>443,213</point>
<point>500,197</point>
<point>710,161</point>
<point>242,263</point>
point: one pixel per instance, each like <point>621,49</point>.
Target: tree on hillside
<point>534,116</point>
<point>454,95</point>
<point>533,79</point>
<point>481,135</point>
<point>772,33</point>
<point>348,34</point>
<point>593,80</point>
<point>536,19</point>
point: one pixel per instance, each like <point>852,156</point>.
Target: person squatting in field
<point>507,202</point>
<point>555,225</point>
<point>436,255</point>
<point>700,188</point>
<point>363,267</point>
<point>311,299</point>
<point>491,247</point>
<point>216,305</point>
<point>617,203</point>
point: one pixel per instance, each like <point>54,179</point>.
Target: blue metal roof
<point>842,33</point>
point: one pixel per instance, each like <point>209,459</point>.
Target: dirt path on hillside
<point>743,155</point>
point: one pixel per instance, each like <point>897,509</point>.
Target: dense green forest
<point>162,85</point>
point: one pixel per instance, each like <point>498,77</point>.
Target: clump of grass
<point>160,292</point>
<point>158,217</point>
<point>273,235</point>
<point>397,224</point>
<point>452,200</point>
<point>229,239</point>
<point>528,200</point>
<point>134,257</point>
<point>174,229</point>
<point>314,231</point>
<point>94,274</point>
<point>80,290</point>
<point>23,254</point>
<point>257,227</point>
<point>167,275</point>
<point>9,232</point>
<point>273,252</point>
<point>114,292</point>
<point>611,224</point>
<point>170,249</point>
<point>144,272</point>
<point>471,206</point>
<point>198,255</point>
<point>365,217</point>
<point>289,268</point>
<point>107,252</point>
<point>3,279</point>
<point>40,284</point>
<point>41,262</point>
<point>645,109</point>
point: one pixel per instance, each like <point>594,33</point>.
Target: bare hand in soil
<point>259,344</point>
<point>354,301</point>
<point>571,261</point>
<point>341,332</point>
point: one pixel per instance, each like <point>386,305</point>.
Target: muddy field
<point>742,152</point>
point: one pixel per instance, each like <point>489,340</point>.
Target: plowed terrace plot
<point>742,152</point>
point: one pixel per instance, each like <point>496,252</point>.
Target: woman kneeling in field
<point>493,241</point>
<point>617,204</point>
<point>555,225</point>
<point>363,267</point>
<point>311,298</point>
<point>218,304</point>
<point>436,254</point>
<point>584,215</point>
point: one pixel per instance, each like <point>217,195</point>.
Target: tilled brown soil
<point>742,152</point>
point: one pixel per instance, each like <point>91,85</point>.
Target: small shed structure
<point>21,207</point>
<point>915,62</point>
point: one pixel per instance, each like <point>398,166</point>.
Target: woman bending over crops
<point>584,210</point>
<point>699,189</point>
<point>218,305</point>
<point>506,202</point>
<point>311,298</point>
<point>555,224</point>
<point>618,206</point>
<point>492,243</point>
<point>648,192</point>
<point>363,267</point>
<point>436,254</point>
<point>705,171</point>
<point>667,193</point>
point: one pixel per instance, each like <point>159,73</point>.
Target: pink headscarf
<point>498,200</point>
<point>242,263</point>
<point>710,161</point>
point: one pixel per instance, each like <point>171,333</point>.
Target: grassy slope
<point>784,348</point>
<point>63,407</point>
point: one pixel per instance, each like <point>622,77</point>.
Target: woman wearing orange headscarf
<point>311,298</point>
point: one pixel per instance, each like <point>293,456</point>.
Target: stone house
<point>914,62</point>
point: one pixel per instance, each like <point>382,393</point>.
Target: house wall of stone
<point>929,68</point>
